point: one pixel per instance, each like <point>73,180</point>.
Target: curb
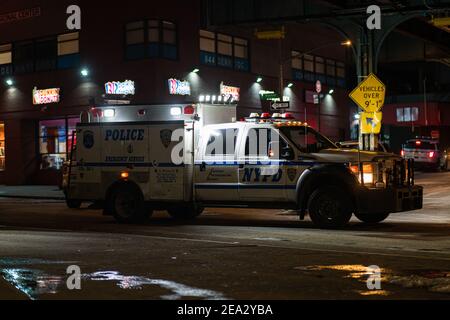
<point>32,197</point>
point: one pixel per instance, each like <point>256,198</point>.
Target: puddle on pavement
<point>35,283</point>
<point>432,280</point>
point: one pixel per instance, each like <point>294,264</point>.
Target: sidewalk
<point>32,192</point>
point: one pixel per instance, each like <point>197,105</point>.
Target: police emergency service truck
<point>136,159</point>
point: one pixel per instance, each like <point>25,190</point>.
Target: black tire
<point>330,207</point>
<point>73,204</point>
<point>185,213</point>
<point>128,205</point>
<point>372,218</point>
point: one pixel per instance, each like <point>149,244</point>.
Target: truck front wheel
<point>188,212</point>
<point>372,218</point>
<point>330,207</point>
<point>128,205</point>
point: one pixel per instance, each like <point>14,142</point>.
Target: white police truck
<point>137,159</point>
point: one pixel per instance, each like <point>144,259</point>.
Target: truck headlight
<point>368,173</point>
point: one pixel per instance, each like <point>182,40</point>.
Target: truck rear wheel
<point>188,212</point>
<point>73,204</point>
<point>372,218</point>
<point>128,205</point>
<point>330,207</point>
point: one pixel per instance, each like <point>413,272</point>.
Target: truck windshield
<point>307,140</point>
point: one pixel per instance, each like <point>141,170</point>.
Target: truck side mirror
<point>287,153</point>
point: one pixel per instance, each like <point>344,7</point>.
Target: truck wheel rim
<point>125,205</point>
<point>329,209</point>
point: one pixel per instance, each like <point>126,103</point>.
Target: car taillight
<point>431,154</point>
<point>402,153</point>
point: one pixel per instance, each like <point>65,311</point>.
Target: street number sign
<point>370,94</point>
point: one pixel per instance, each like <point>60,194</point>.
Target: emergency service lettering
<point>249,173</point>
<point>125,135</point>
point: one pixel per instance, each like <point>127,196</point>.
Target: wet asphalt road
<point>225,254</point>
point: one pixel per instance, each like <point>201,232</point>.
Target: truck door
<point>86,176</point>
<point>260,177</point>
<point>216,171</point>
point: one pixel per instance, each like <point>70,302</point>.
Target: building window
<point>208,47</point>
<point>407,114</point>
<point>45,50</point>
<point>23,57</point>
<point>224,51</point>
<point>5,60</point>
<point>68,50</point>
<point>55,141</point>
<point>312,68</point>
<point>151,39</point>
<point>340,73</point>
<point>169,40</point>
<point>241,55</point>
<point>2,146</point>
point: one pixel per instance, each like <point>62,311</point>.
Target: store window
<point>2,146</point>
<point>151,39</point>
<point>5,59</point>
<point>55,142</point>
<point>407,114</point>
<point>68,50</point>
<point>224,51</point>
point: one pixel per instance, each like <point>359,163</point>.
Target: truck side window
<point>222,142</point>
<point>258,141</point>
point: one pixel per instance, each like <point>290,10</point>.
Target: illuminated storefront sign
<point>46,96</point>
<point>180,88</point>
<point>230,92</point>
<point>120,88</point>
<point>20,15</point>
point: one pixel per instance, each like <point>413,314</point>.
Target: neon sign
<point>46,96</point>
<point>120,88</point>
<point>230,92</point>
<point>180,88</point>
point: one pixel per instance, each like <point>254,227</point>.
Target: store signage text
<point>230,92</point>
<point>74,20</point>
<point>46,96</point>
<point>20,15</point>
<point>179,88</point>
<point>120,88</point>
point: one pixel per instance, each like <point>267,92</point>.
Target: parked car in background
<point>427,153</point>
<point>354,145</point>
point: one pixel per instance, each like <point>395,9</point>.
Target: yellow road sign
<point>370,94</point>
<point>371,122</point>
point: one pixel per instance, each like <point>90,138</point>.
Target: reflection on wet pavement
<point>178,290</point>
<point>32,283</point>
<point>35,283</point>
<point>434,281</point>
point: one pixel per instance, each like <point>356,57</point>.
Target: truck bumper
<point>390,200</point>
